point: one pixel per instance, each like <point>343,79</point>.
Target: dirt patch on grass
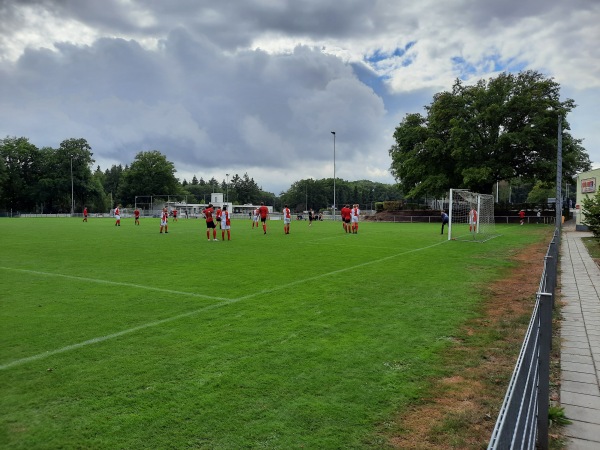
<point>463,411</point>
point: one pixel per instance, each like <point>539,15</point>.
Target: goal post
<point>471,216</point>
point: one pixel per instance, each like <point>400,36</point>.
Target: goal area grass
<point>121,337</point>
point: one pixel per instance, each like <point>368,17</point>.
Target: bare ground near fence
<point>463,407</point>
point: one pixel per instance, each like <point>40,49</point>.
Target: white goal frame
<point>461,203</point>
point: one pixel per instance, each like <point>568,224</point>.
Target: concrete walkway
<point>580,348</point>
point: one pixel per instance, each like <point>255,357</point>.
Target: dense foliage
<point>318,194</point>
<point>591,213</point>
<point>474,136</point>
<point>51,180</point>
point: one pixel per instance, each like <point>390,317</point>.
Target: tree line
<point>50,180</point>
<point>501,130</point>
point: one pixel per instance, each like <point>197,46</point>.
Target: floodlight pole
<point>559,174</point>
<point>333,132</point>
<point>72,200</point>
<point>227,189</point>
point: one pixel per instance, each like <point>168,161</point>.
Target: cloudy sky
<point>257,86</point>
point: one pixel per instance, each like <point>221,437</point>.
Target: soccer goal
<point>471,216</point>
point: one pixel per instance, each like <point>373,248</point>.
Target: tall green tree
<point>246,190</point>
<point>19,173</point>
<point>112,181</point>
<point>74,164</point>
<point>499,129</point>
<point>149,174</point>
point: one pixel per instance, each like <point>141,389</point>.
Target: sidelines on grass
<point>321,337</point>
<point>223,302</point>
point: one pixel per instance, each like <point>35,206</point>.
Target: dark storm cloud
<point>197,105</point>
<point>257,85</point>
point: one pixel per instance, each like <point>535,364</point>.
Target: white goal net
<point>471,216</point>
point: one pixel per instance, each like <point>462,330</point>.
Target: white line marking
<point>224,302</point>
<point>39,356</point>
<point>114,283</point>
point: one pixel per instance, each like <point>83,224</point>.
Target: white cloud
<point>256,86</point>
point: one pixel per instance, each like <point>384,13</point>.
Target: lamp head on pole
<point>333,132</point>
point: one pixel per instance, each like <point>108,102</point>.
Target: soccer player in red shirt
<point>136,215</point>
<point>287,218</point>
<point>174,215</point>
<point>117,216</point>
<point>164,219</point>
<point>346,212</point>
<point>210,223</point>
<point>473,220</point>
<point>354,218</point>
<point>218,215</point>
<point>85,214</point>
<point>263,212</point>
<point>225,224</point>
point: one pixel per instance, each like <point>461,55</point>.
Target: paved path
<point>580,348</point>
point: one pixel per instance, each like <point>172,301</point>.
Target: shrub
<point>591,212</point>
<point>391,205</point>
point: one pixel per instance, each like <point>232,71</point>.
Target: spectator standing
<point>522,216</point>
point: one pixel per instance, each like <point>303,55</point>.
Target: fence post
<point>543,393</point>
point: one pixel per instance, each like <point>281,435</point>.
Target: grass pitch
<point>120,337</point>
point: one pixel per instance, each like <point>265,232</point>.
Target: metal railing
<point>523,418</point>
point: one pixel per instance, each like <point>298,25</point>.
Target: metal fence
<point>523,419</point>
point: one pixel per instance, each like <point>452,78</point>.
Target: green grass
<point>119,337</point>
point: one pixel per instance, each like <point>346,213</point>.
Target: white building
<point>587,187</point>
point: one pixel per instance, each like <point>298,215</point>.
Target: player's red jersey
<point>345,212</point>
<point>208,213</point>
<point>286,213</point>
<point>263,211</point>
<point>116,211</point>
<point>136,213</point>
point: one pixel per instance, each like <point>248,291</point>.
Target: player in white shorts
<point>255,218</point>
<point>225,224</point>
<point>287,219</point>
<point>117,217</point>
<point>164,221</point>
<point>354,218</point>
